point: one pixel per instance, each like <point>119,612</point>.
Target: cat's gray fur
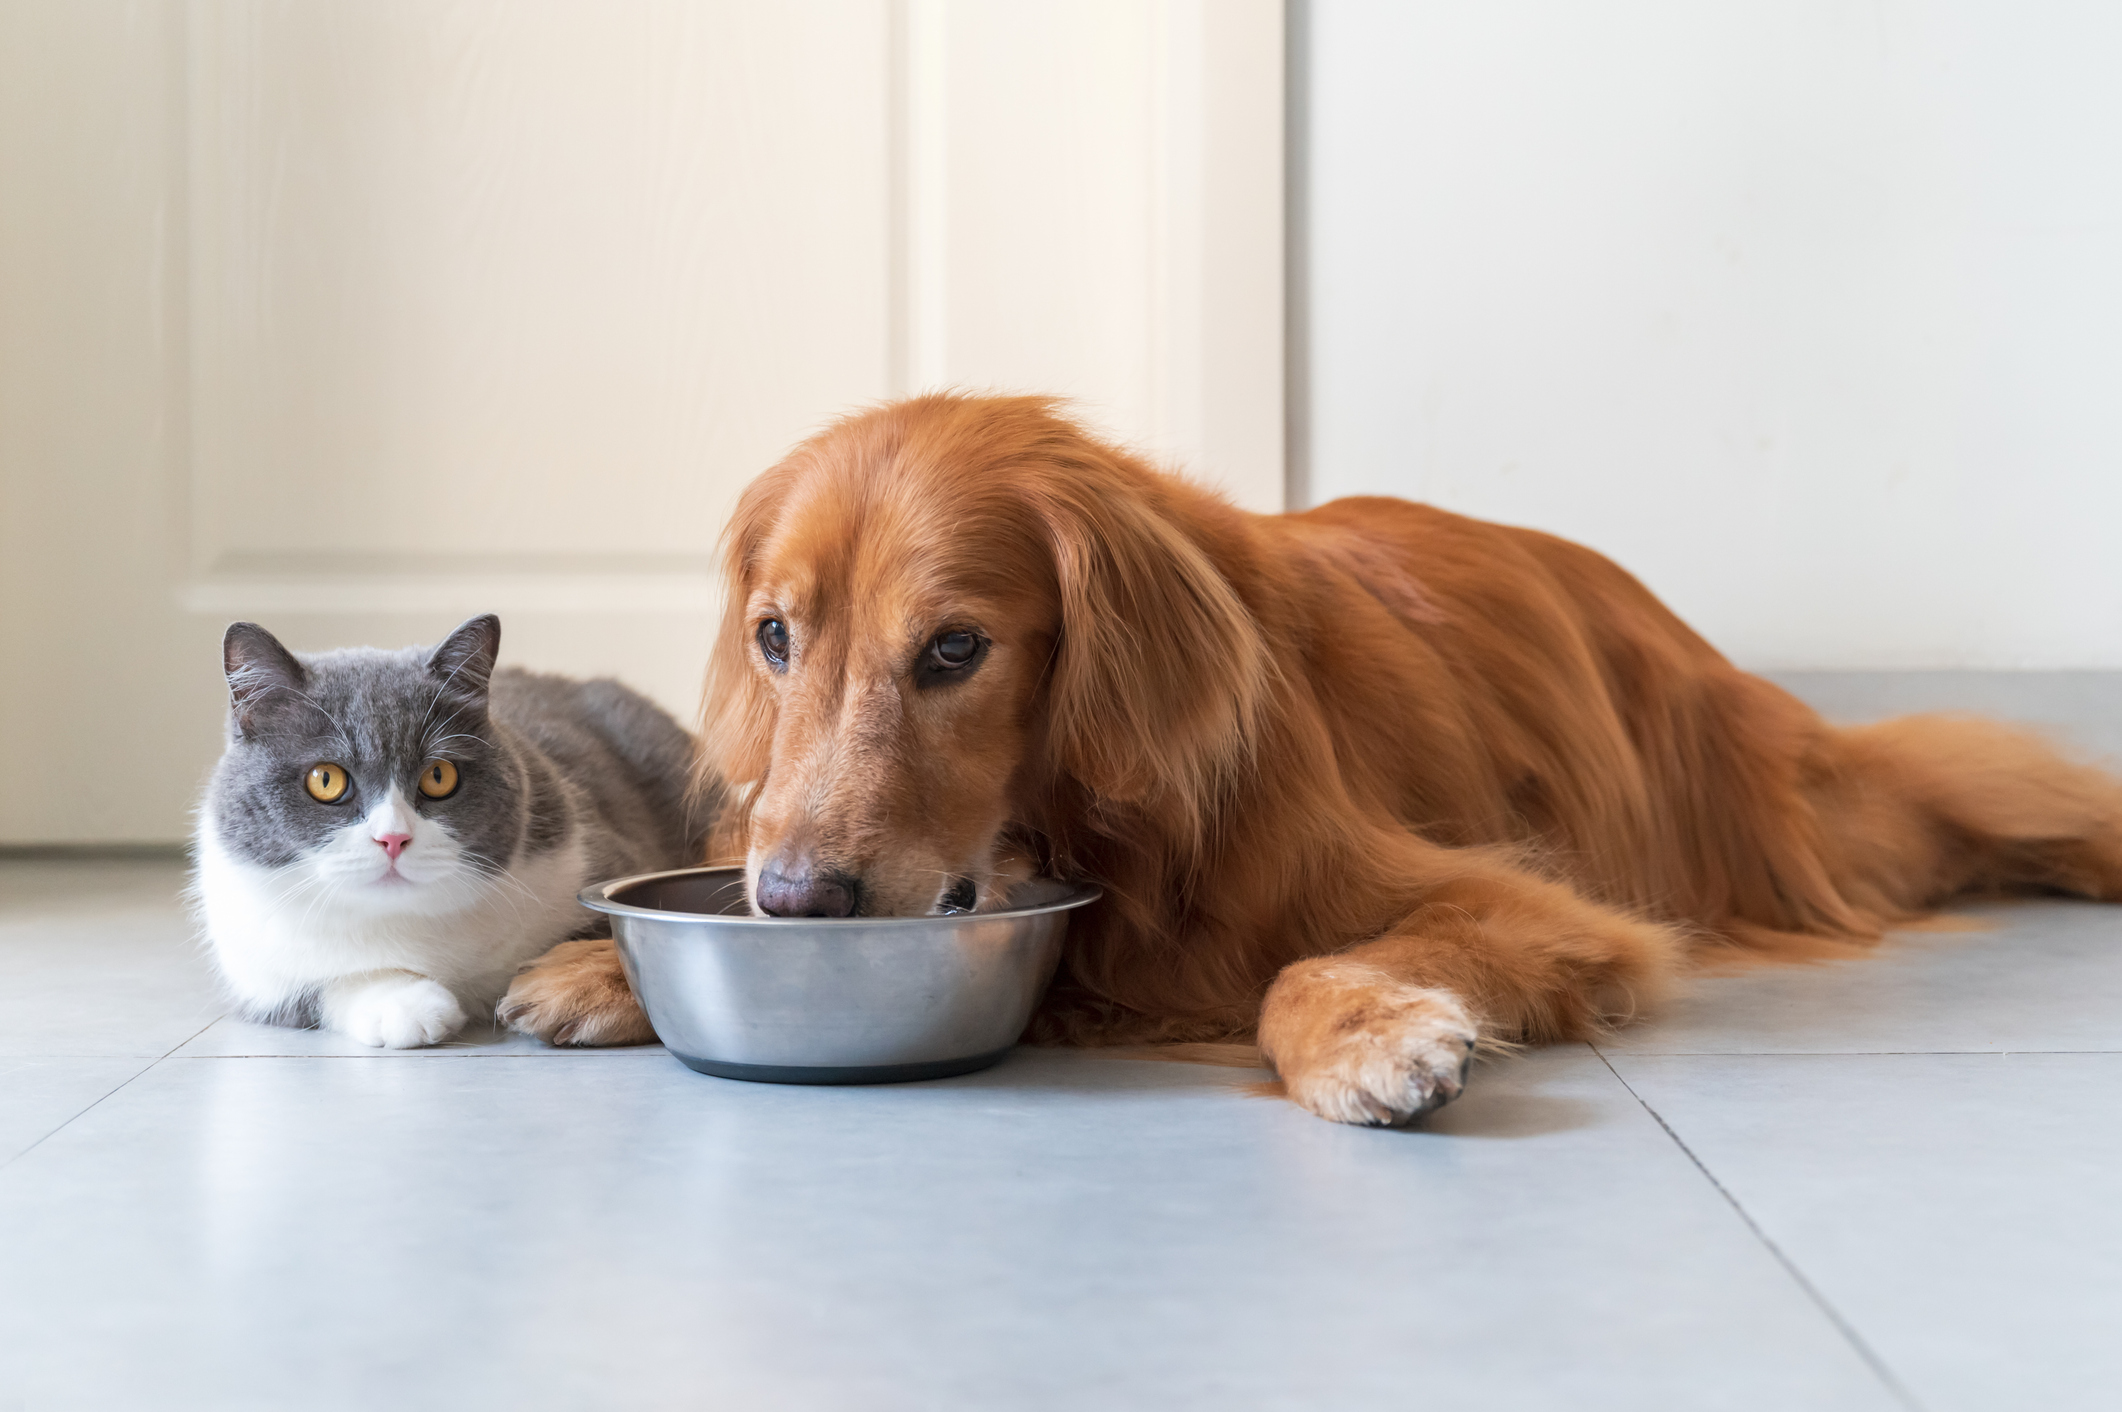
<point>561,783</point>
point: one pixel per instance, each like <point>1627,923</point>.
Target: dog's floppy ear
<point>1160,671</point>
<point>737,711</point>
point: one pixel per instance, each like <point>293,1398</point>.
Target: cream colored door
<point>359,319</point>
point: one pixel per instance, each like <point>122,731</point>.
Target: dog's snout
<point>804,891</point>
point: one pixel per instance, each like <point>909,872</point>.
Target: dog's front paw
<point>394,1010</point>
<point>576,994</point>
<point>1357,1046</point>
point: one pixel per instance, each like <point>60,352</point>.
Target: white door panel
<point>356,320</point>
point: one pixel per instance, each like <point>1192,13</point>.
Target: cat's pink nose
<point>394,843</point>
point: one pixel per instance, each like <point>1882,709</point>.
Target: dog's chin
<point>961,893</point>
<point>915,900</point>
<point>1004,875</point>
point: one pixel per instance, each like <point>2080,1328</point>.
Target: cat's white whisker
<point>501,881</point>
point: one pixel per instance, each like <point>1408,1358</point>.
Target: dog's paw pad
<point>576,995</point>
<point>1389,1057</point>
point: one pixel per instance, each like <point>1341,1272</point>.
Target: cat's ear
<point>465,660</point>
<point>263,676</point>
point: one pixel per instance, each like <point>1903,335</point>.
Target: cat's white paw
<point>396,1010</point>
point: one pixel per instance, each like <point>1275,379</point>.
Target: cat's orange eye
<point>438,779</point>
<point>326,783</point>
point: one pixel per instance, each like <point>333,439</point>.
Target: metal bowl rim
<point>597,897</point>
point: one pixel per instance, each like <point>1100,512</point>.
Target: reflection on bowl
<point>831,1000</point>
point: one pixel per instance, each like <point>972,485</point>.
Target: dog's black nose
<point>806,892</point>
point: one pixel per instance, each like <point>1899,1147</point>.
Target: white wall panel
<point>1808,313</point>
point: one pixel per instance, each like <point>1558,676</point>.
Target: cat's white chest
<point>280,934</point>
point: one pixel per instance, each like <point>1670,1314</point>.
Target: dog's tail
<point>1919,809</point>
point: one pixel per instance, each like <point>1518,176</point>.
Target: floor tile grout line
<point>1848,1331</point>
<point>76,1117</point>
<point>415,1058</point>
<point>1848,1053</point>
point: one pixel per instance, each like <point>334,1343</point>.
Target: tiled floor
<point>1886,1183</point>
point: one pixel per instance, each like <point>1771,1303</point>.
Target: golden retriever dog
<point>1368,783</point>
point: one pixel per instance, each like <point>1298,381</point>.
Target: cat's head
<point>372,778</point>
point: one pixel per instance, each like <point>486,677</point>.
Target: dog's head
<point>944,609</point>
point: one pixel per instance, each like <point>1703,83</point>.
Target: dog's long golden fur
<point>1366,781</point>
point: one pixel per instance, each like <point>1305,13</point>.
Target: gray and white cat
<point>390,835</point>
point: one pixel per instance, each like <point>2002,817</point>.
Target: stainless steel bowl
<point>811,1000</point>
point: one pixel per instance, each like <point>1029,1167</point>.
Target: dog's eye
<point>773,643</point>
<point>952,652</point>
